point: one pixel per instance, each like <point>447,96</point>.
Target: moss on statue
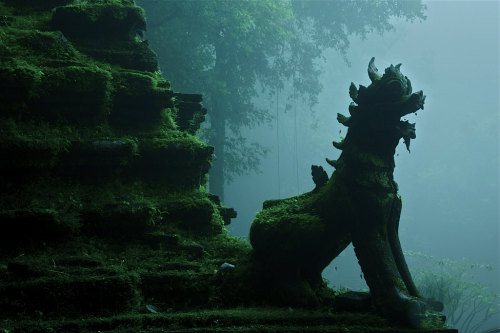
<point>296,238</point>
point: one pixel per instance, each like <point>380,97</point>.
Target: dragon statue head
<point>377,110</point>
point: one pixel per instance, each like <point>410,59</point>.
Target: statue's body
<point>296,238</point>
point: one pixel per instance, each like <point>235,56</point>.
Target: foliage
<point>448,281</point>
<point>228,50</point>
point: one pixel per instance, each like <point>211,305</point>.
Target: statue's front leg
<point>397,252</point>
<point>370,237</point>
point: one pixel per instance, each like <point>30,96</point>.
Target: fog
<point>449,182</point>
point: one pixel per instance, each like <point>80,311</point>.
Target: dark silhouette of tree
<point>233,51</point>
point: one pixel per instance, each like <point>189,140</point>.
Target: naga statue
<point>296,238</point>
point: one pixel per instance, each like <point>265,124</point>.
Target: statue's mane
<point>376,110</point>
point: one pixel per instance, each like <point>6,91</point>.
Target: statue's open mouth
<point>411,103</point>
<point>389,98</point>
<point>407,131</point>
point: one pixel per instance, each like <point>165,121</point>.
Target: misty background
<point>449,182</point>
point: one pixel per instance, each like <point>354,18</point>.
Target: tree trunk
<point>216,173</point>
<point>218,116</point>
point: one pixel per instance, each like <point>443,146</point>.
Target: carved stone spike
<point>373,71</point>
<point>319,176</point>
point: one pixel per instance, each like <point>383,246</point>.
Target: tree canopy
<point>234,51</point>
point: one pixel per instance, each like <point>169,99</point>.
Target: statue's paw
<point>414,314</point>
<point>434,304</point>
<point>422,313</point>
<point>408,311</point>
<point>417,307</point>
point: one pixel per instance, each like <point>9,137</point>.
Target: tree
<point>228,50</point>
<point>447,281</point>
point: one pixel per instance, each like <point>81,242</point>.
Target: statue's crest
<point>381,105</point>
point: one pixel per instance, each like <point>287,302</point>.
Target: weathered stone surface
<point>190,113</point>
<point>100,20</point>
<point>39,5</point>
<point>354,301</point>
<point>81,107</point>
<point>107,32</point>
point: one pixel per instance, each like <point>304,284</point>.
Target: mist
<point>449,182</point>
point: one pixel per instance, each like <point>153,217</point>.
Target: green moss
<point>100,19</point>
<point>107,210</point>
<point>37,140</point>
<point>141,84</point>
